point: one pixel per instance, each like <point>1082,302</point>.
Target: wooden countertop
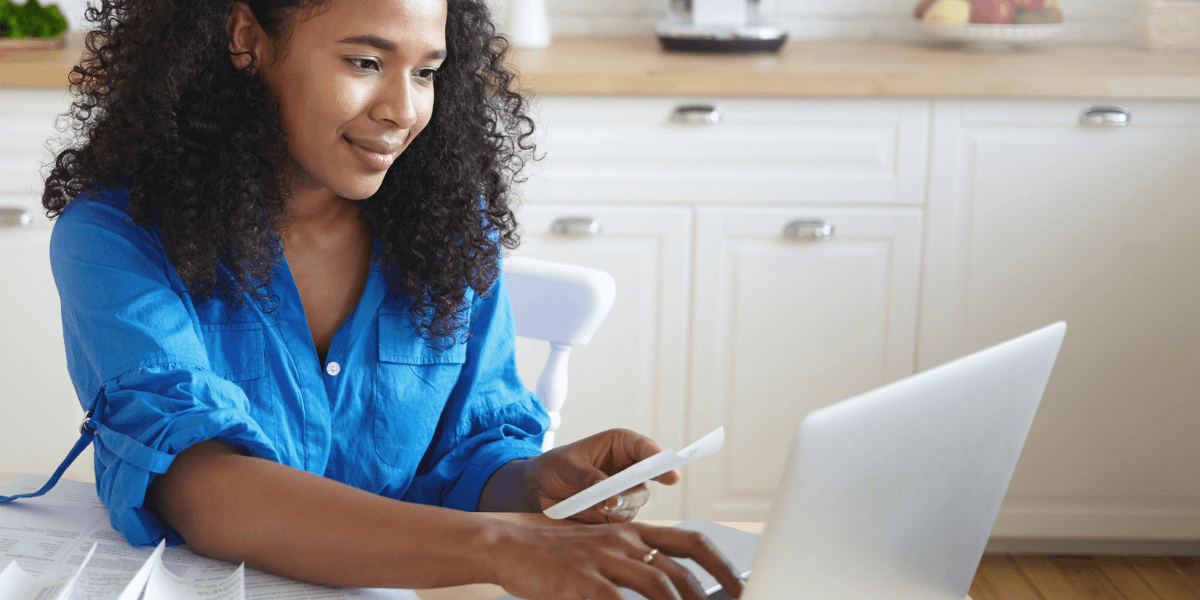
<point>861,68</point>
<point>847,68</point>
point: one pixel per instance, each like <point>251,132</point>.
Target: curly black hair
<point>162,111</point>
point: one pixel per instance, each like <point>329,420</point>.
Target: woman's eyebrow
<point>371,40</point>
<point>384,44</point>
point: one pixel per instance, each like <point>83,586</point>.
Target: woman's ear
<point>245,36</point>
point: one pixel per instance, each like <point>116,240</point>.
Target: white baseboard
<point>1166,520</point>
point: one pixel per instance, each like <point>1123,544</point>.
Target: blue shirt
<point>163,372</point>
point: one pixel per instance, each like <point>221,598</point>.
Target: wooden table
<point>490,592</point>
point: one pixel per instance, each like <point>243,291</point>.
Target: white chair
<point>561,304</point>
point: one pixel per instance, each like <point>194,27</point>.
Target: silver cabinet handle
<point>697,114</point>
<point>1105,116</point>
<point>15,217</point>
<point>576,226</point>
<point>809,229</point>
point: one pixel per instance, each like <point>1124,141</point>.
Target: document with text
<point>61,547</point>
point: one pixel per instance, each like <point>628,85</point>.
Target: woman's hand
<point>564,471</point>
<point>581,562</point>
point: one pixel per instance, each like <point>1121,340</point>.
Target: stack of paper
<point>61,547</point>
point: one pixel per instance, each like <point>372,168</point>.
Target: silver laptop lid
<point>892,494</point>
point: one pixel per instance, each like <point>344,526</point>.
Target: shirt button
<point>333,368</point>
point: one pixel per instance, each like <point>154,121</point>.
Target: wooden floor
<point>1009,577</point>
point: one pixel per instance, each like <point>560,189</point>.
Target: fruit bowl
<point>988,24</point>
<point>984,36</point>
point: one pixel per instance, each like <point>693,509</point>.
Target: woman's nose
<point>397,104</point>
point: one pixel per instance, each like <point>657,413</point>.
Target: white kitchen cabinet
<point>40,415</point>
<point>1034,217</point>
<point>785,325</point>
<point>631,150</point>
<point>778,326</point>
<point>1029,217</point>
<point>632,373</point>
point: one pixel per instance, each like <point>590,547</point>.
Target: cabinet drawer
<point>630,149</point>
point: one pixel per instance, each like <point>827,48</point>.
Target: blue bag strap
<point>87,431</point>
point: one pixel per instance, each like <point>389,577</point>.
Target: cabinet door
<point>783,326</point>
<point>41,416</point>
<point>631,374</point>
<point>1033,218</point>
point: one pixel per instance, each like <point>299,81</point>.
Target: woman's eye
<point>426,74</point>
<point>364,64</point>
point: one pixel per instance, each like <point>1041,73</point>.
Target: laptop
<point>892,494</point>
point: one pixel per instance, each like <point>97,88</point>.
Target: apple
<point>1051,14</point>
<point>949,11</point>
<point>993,12</point>
<point>919,12</point>
<point>1034,5</point>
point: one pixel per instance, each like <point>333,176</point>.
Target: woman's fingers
<point>696,546</point>
<point>660,579</point>
<point>681,578</point>
<point>592,561</point>
<point>624,506</point>
<point>621,508</point>
<point>657,576</point>
<point>601,588</point>
<point>671,477</point>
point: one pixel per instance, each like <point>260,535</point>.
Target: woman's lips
<point>374,154</point>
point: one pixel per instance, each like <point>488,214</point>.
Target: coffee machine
<point>719,26</point>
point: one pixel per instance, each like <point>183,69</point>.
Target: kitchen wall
<point>1086,20</point>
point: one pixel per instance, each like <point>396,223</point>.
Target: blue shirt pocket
<point>237,353</point>
<point>413,384</point>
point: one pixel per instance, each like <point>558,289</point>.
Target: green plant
<point>30,20</point>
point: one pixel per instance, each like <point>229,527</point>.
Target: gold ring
<point>650,555</point>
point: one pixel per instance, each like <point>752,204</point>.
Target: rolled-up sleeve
<point>136,357</point>
<point>490,418</point>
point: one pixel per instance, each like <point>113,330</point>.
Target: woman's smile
<point>375,154</point>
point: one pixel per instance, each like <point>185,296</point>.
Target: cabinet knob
<point>15,217</point>
<point>809,229</point>
<point>1105,116</point>
<point>576,226</point>
<point>697,114</point>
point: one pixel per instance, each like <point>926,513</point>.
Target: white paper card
<point>637,473</point>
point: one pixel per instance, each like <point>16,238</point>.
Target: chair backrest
<point>561,304</point>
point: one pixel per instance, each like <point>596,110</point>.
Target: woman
<point>278,259</point>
